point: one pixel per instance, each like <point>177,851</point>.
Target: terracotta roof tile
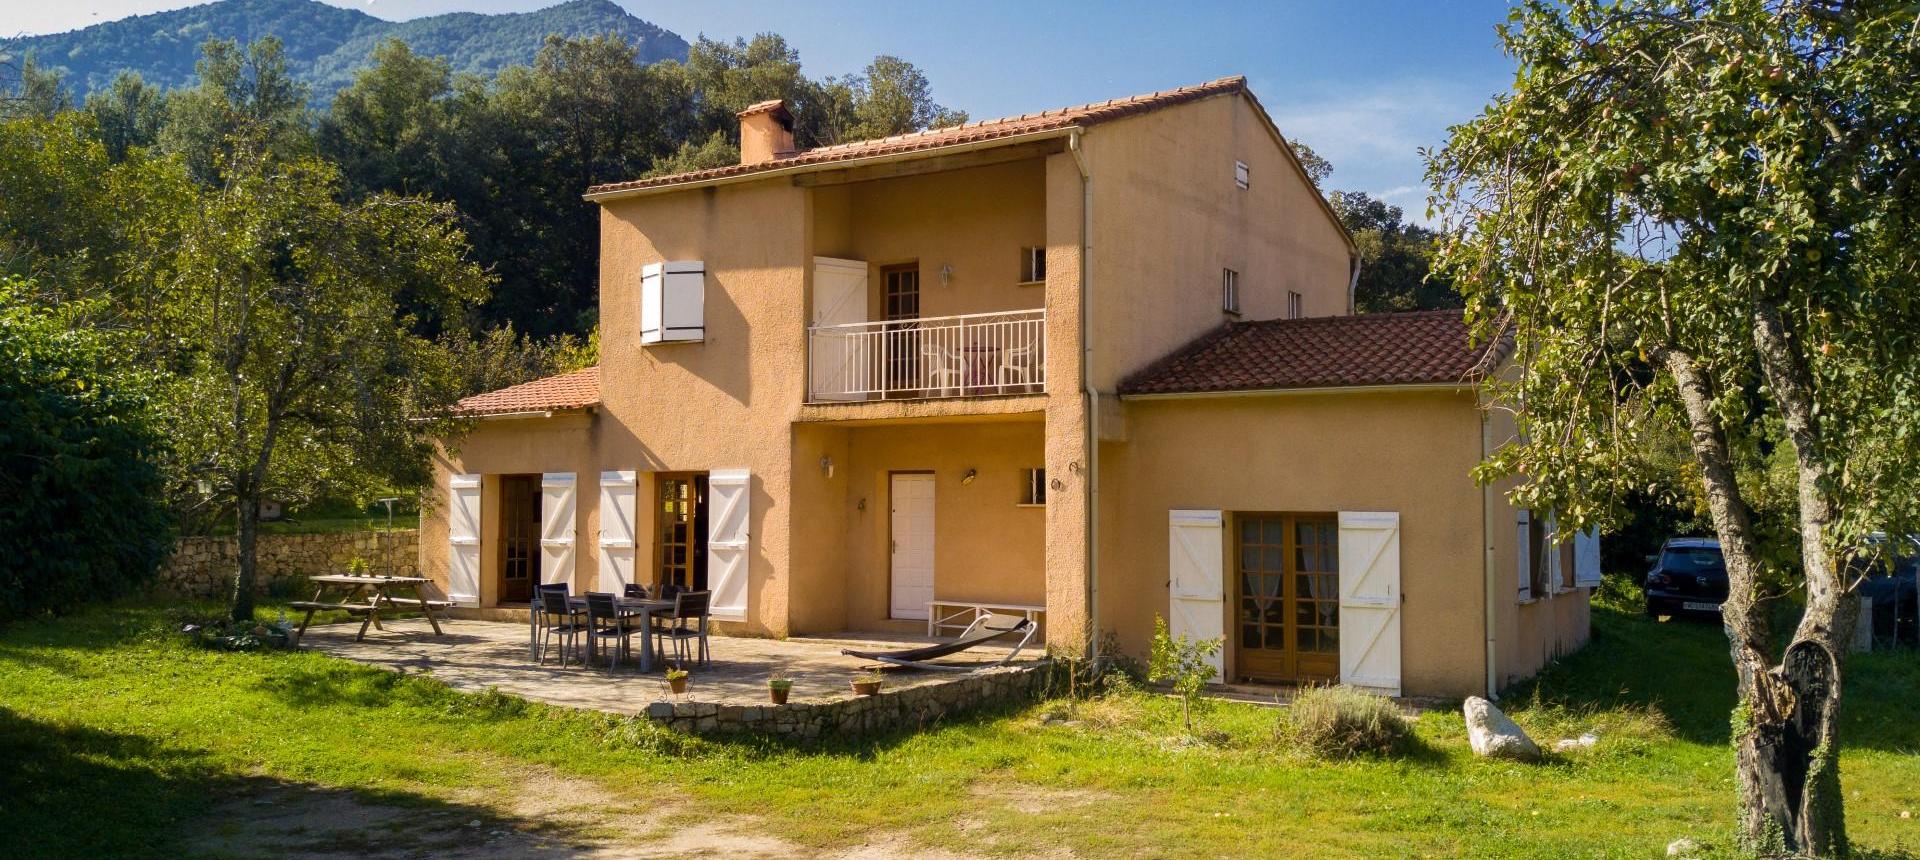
<point>973,132</point>
<point>576,390</point>
<point>1323,352</point>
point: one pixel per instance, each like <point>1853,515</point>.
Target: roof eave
<point>834,164</point>
<point>1386,388</point>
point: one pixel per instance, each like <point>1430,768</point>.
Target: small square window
<point>1230,291</point>
<point>1295,306</point>
<point>1033,264</point>
<point>1240,174</point>
<point>1033,486</point>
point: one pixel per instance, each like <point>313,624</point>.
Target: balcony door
<point>900,305</point>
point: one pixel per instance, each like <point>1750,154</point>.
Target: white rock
<point>1585,741</point>
<point>1493,735</point>
<point>1683,847</point>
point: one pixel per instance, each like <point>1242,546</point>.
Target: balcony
<point>969,355</point>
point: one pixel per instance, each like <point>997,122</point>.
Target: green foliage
<point>244,97</point>
<point>1185,664</point>
<point>128,114</point>
<point>80,452</point>
<point>1339,722</point>
<point>1395,257</point>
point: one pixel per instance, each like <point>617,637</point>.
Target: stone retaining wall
<point>203,567</point>
<point>909,707</point>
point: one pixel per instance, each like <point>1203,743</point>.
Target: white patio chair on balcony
<point>941,370</point>
<point>1017,365</point>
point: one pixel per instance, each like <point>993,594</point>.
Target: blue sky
<point>1365,82</point>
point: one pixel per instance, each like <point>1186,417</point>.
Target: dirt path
<point>536,814</point>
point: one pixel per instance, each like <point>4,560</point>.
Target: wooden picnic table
<point>642,608</point>
<point>379,595</point>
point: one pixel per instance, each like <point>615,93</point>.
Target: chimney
<point>766,132</point>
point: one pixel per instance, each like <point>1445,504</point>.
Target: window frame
<point>1033,488</point>
<point>1296,305</point>
<point>1230,291</point>
<point>1033,265</point>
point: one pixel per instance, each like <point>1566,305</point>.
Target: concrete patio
<point>475,655</point>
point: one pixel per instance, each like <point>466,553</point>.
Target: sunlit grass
<point>126,737</point>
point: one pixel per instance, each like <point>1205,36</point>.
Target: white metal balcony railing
<point>954,356</point>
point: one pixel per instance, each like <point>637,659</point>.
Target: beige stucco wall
<point>974,220</point>
<point>1403,452</point>
<point>1528,634</point>
<point>1168,218</point>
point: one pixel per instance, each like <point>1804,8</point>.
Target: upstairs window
<point>1033,486</point>
<point>1241,177</point>
<point>673,302</point>
<point>1033,264</point>
<point>1296,307</point>
<point>1230,291</point>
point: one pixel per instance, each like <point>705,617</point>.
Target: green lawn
<point>118,740</point>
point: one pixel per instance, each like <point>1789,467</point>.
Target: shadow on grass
<point>72,791</point>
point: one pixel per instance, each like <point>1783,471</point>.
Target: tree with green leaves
<point>244,93</point>
<point>82,516</point>
<point>1395,257</point>
<point>301,374</point>
<point>128,114</point>
<point>1700,218</point>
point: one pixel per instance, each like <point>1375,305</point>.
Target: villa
<point>1093,366</point>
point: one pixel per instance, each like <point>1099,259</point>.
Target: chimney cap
<point>777,107</point>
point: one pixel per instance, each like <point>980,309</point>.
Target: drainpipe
<point>1486,538</point>
<point>1353,283</point>
<point>1093,396</point>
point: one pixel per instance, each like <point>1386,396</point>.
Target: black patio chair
<point>562,621</point>
<point>636,591</point>
<point>537,620</point>
<point>605,622</point>
<point>687,621</point>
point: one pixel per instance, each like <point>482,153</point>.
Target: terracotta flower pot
<point>679,685</point>
<point>866,688</point>
<point>779,694</point>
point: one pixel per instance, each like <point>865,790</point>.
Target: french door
<point>900,302</point>
<point>519,537</point>
<point>682,517</point>
<point>1287,567</point>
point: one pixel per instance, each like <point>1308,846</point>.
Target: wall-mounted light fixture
<point>826,466</point>
<point>969,476</point>
<point>946,274</point>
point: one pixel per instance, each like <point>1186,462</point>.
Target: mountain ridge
<point>324,45</point>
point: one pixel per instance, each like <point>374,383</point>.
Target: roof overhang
<point>1428,387</point>
<point>834,164</point>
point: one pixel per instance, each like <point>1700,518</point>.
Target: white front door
<point>912,545</point>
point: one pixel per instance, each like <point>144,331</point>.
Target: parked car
<point>1689,577</point>
<point>1890,576</point>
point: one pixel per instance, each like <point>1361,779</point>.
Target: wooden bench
<point>314,606</point>
<point>411,601</point>
<point>961,614</point>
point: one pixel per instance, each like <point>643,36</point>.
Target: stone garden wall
<point>203,566</point>
<point>909,707</point>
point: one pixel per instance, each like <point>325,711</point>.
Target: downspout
<point>1093,397</point>
<point>1486,537</point>
<point>1353,283</point>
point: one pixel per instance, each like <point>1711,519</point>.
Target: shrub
<point>81,510</point>
<point>1187,664</point>
<point>1342,722</point>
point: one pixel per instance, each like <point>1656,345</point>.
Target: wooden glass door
<point>900,302</point>
<point>519,537</point>
<point>1287,567</point>
<point>682,557</point>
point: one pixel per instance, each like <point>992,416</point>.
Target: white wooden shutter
<point>616,530</point>
<point>1196,579</point>
<point>728,491</point>
<point>463,539</point>
<point>1370,600</point>
<point>556,528</point>
<point>839,299</point>
<point>1523,552</point>
<point>1586,558</point>
<point>673,301</point>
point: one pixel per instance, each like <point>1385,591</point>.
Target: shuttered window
<point>673,297</point>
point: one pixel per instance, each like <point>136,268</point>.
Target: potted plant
<point>778,687</point>
<point>677,679</point>
<point>867,683</point>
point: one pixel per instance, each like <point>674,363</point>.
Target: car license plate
<point>1691,606</point>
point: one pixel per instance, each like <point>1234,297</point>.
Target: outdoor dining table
<point>642,608</point>
<point>380,596</point>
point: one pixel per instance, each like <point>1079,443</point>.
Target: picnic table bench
<point>379,597</point>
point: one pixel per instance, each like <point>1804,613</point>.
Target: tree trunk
<point>1803,730</point>
<point>247,527</point>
